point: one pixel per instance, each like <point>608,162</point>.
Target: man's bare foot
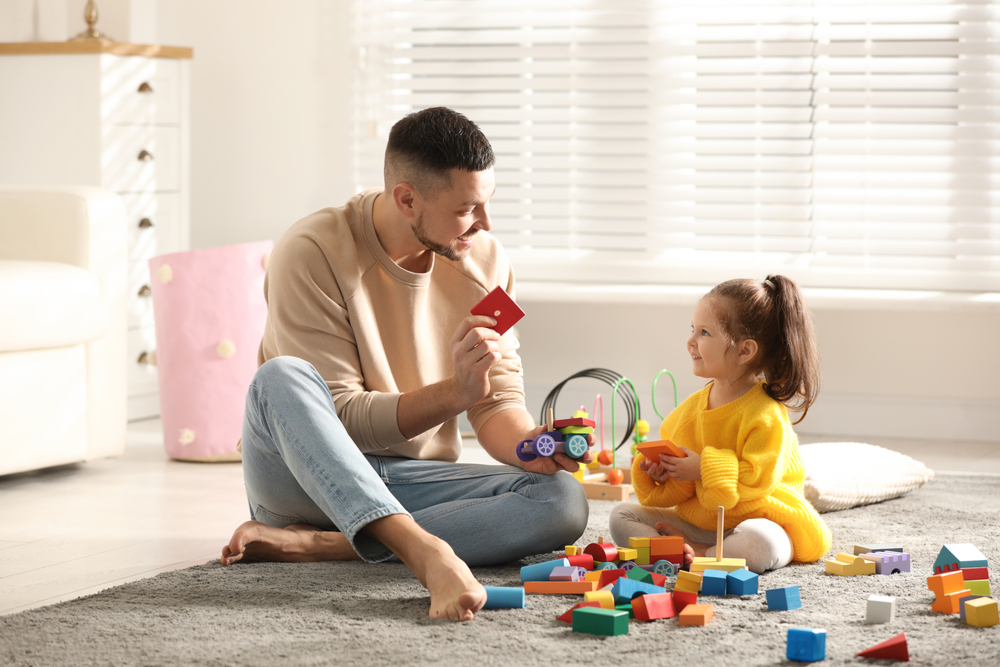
<point>299,543</point>
<point>455,593</point>
<point>691,549</point>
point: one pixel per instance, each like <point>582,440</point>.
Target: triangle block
<point>890,649</point>
<point>568,616</point>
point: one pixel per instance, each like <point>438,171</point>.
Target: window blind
<point>847,144</point>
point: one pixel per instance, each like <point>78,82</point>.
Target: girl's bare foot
<point>691,549</point>
<point>299,543</point>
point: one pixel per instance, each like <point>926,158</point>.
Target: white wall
<point>270,139</point>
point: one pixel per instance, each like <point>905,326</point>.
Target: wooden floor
<point>75,530</point>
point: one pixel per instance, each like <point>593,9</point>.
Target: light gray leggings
<point>764,544</point>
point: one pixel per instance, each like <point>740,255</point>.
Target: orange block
<point>653,448</point>
<point>950,603</point>
<point>943,584</point>
<point>696,614</point>
<point>560,587</point>
<point>671,545</point>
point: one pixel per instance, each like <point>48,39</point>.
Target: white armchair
<point>63,273</point>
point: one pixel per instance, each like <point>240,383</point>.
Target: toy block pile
<point>619,583</point>
<point>961,585</point>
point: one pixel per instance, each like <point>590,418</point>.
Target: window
<point>847,144</point>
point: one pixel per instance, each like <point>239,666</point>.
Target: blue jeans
<point>301,466</point>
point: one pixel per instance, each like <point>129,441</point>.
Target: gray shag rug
<point>349,614</point>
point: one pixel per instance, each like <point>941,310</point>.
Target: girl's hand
<point>655,470</point>
<point>687,469</point>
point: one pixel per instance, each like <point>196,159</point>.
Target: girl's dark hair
<point>774,314</point>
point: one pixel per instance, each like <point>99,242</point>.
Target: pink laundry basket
<point>210,311</point>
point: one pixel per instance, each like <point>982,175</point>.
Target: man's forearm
<point>503,431</point>
<point>430,406</point>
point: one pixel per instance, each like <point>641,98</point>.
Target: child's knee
<point>762,543</point>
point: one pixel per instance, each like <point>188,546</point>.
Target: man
<point>368,358</point>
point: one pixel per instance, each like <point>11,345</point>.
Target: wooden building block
<point>627,554</point>
<point>683,598</point>
<point>567,616</point>
<point>638,542</point>
<point>891,649</point>
<point>982,612</point>
<point>688,581</point>
<point>696,614</point>
<point>666,545</point>
<point>702,563</point>
<point>950,603</point>
<point>642,556</point>
<point>880,609</point>
<point>942,584</point>
<point>605,598</point>
<point>560,587</point>
<point>592,621</point>
<point>653,606</point>
<point>847,565</point>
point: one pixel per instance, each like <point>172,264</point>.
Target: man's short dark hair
<point>425,146</point>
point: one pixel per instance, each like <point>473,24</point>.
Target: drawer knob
<point>145,291</point>
<point>145,223</point>
<point>145,156</point>
<point>144,87</point>
<point>147,358</point>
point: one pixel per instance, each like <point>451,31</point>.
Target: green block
<point>569,430</point>
<point>640,574</point>
<point>626,607</point>
<point>979,587</point>
<point>600,621</point>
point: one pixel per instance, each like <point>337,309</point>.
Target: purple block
<point>888,562</point>
<point>565,574</point>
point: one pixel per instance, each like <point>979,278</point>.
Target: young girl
<point>754,341</point>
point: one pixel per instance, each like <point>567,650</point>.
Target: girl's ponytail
<point>791,365</point>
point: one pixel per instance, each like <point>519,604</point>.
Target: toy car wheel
<point>666,568</point>
<point>545,445</point>
<point>576,445</point>
<point>523,451</point>
<point>627,566</point>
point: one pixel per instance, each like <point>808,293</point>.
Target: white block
<point>881,609</point>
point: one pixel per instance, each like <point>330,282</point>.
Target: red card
<point>498,305</point>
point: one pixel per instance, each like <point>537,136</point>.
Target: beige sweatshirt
<point>374,330</point>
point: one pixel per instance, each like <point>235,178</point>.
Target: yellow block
<point>638,542</point>
<point>593,575</point>
<point>982,612</point>
<point>627,554</point>
<point>701,564</point>
<point>642,556</point>
<point>606,598</point>
<point>848,565</point>
<point>572,550</point>
<point>688,581</point>
<point>580,472</point>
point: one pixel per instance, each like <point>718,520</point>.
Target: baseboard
<point>833,416</point>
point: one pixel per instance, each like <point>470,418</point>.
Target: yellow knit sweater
<point>750,465</point>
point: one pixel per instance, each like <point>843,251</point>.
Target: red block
<point>586,561</point>
<point>568,616</point>
<point>602,552</point>
<point>574,421</point>
<point>890,649</point>
<point>610,577</point>
<point>659,579</point>
<point>652,606</point>
<point>683,599</point>
<point>975,573</point>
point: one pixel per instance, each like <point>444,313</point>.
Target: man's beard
<point>445,251</point>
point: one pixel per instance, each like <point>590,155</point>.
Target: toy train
<point>568,436</point>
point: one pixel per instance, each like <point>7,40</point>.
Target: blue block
<point>624,589</point>
<point>784,599</point>
<point>504,597</point>
<point>806,644</point>
<point>541,571</point>
<point>741,582</point>
<point>713,582</point>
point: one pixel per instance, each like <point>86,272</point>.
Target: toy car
<point>569,437</point>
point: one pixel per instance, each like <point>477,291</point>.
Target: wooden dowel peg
<point>718,533</point>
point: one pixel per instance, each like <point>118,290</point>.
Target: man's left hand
<point>550,465</point>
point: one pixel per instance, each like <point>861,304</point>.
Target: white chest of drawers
<point>116,116</point>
